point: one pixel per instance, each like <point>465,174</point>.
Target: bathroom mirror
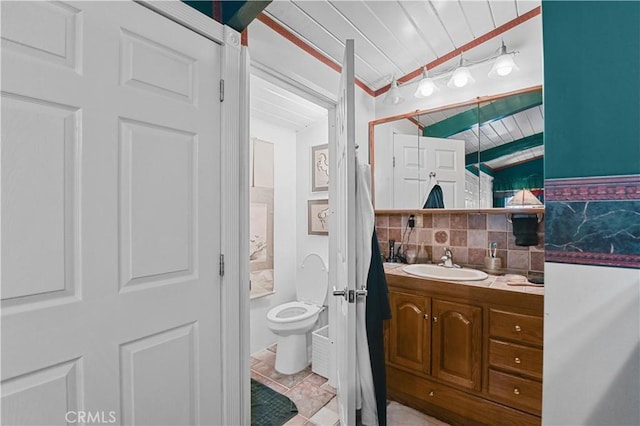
<point>478,152</point>
<point>511,146</point>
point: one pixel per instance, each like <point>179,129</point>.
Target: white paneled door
<point>110,217</point>
<point>342,238</point>
<point>420,163</point>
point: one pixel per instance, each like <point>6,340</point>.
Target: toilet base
<point>291,354</point>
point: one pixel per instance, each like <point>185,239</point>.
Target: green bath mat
<point>268,407</point>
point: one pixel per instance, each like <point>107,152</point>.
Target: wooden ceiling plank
<point>524,124</point>
<point>411,41</point>
<point>503,11</point>
<point>287,34</point>
<point>478,16</point>
<point>369,26</point>
<point>308,29</point>
<point>451,16</point>
<point>430,26</point>
<point>275,119</point>
<point>337,25</point>
<point>512,127</point>
<point>510,148</point>
<point>418,28</point>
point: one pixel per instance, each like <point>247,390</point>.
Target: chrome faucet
<point>447,259</point>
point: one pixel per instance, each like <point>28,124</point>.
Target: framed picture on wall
<point>319,168</point>
<point>318,217</point>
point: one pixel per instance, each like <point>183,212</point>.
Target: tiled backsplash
<point>468,235</point>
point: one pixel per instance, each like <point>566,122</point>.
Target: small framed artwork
<point>320,168</point>
<point>318,217</point>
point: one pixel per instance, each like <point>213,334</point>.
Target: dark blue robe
<point>377,310</point>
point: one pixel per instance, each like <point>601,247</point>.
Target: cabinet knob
<point>517,360</point>
<point>517,328</point>
<point>431,393</point>
<point>516,391</point>
<point>426,316</point>
<point>435,319</point>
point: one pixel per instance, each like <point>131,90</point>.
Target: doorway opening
<point>288,192</point>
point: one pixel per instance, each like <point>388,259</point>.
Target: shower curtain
<point>365,218</point>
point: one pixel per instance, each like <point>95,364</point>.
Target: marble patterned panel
<point>594,221</point>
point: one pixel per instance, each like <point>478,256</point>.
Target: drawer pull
<point>516,391</point>
<point>435,319</point>
<point>517,360</point>
<point>431,393</point>
<point>517,328</point>
<point>426,316</point>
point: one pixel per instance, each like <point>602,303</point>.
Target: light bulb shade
<point>460,78</point>
<point>393,96</point>
<point>503,66</point>
<point>524,198</point>
<point>426,87</point>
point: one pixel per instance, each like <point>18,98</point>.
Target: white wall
<point>316,134</point>
<point>284,230</point>
<point>591,345</point>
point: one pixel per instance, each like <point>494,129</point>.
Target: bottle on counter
<point>422,256</point>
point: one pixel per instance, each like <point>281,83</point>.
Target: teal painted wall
<point>204,7</point>
<point>591,88</point>
<point>525,175</point>
<point>529,175</point>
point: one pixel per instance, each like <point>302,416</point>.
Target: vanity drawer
<point>519,327</point>
<point>516,358</point>
<point>515,391</point>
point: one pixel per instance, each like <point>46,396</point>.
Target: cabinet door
<point>409,331</point>
<point>457,344</point>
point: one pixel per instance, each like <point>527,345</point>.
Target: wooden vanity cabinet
<point>456,345</point>
<point>410,331</point>
<point>465,354</point>
<point>437,338</point>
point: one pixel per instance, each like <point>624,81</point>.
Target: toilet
<point>292,321</point>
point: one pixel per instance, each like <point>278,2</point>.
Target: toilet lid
<point>311,286</point>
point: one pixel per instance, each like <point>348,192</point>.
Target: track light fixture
<point>393,96</point>
<point>427,86</point>
<point>504,64</point>
<point>460,76</point>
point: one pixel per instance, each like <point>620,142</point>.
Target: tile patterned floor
<point>316,399</point>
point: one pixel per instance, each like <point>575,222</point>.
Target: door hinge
<point>222,265</point>
<point>221,90</point>
<point>394,161</point>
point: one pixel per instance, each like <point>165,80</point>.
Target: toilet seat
<point>292,321</point>
<point>292,312</point>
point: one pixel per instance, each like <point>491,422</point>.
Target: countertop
<point>495,282</point>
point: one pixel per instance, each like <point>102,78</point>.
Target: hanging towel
<point>365,218</point>
<point>435,199</point>
<point>378,310</point>
<point>525,228</point>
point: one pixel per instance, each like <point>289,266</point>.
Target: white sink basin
<point>437,272</point>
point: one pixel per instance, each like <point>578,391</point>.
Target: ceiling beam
<point>234,13</point>
<point>492,111</point>
<point>239,14</point>
<point>505,149</point>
